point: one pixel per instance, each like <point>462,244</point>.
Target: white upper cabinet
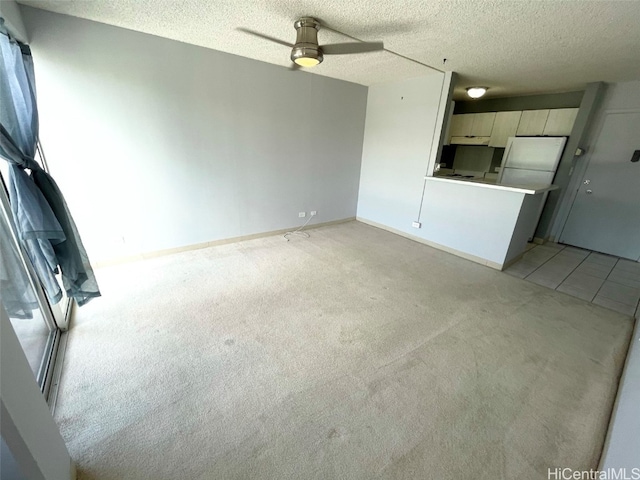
<point>461,125</point>
<point>532,122</point>
<point>505,126</point>
<point>495,128</point>
<point>472,125</point>
<point>560,121</point>
<point>482,124</point>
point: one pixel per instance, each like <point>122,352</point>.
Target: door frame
<point>44,375</point>
<point>580,165</point>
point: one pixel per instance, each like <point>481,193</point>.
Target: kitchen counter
<point>479,220</point>
<point>527,189</point>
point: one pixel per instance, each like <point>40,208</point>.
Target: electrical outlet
<point>313,213</point>
<point>301,214</point>
<point>416,224</point>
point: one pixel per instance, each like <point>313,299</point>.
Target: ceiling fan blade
<point>346,48</point>
<point>265,37</point>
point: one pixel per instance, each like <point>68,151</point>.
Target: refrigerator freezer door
<point>518,176</point>
<point>534,153</point>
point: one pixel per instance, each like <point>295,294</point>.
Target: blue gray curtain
<point>41,215</point>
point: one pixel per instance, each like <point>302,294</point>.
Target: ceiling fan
<point>307,53</point>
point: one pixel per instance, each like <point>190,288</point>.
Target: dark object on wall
<point>635,157</point>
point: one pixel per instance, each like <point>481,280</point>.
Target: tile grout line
<point>546,261</point>
<point>618,283</point>
<point>605,278</point>
<point>576,267</point>
<point>612,268</point>
<point>637,306</point>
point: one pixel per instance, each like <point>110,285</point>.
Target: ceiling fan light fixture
<point>306,51</point>
<point>307,61</point>
<point>306,56</point>
<point>476,92</point>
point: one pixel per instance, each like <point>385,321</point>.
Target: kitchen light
<point>476,92</point>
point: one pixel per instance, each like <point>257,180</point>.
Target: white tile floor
<point>608,281</point>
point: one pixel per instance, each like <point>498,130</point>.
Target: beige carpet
<point>354,354</point>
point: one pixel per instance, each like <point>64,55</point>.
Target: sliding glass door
<point>37,324</point>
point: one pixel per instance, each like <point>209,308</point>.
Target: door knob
<point>589,192</point>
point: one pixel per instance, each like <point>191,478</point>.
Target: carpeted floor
<point>354,354</point>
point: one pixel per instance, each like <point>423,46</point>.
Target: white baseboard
<point>444,248</point>
<point>196,246</point>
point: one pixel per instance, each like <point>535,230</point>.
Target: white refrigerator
<point>531,160</point>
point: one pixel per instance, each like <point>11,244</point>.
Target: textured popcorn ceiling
<point>513,47</point>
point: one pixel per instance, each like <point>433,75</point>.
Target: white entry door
<point>605,215</point>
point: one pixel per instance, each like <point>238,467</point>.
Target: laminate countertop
<point>479,182</point>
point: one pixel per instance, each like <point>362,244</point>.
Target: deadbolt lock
<point>587,182</point>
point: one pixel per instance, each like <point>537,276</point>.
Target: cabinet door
<point>469,141</point>
<point>461,125</point>
<point>532,122</point>
<point>482,124</point>
<point>560,121</point>
<point>505,126</point>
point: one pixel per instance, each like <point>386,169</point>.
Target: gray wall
<point>9,469</point>
<point>159,144</point>
<point>527,102</point>
<point>610,96</point>
<point>565,170</point>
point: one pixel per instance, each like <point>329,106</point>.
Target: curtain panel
<point>43,220</point>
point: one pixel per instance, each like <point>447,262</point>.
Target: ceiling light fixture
<point>476,92</point>
<point>305,57</point>
<point>306,52</point>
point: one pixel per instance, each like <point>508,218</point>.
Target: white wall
<point>622,448</point>
<point>10,11</point>
<point>26,424</point>
<point>400,130</point>
<point>166,144</point>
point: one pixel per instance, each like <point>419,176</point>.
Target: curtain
<point>16,293</point>
<point>44,223</point>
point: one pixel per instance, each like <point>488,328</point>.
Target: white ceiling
<point>514,47</point>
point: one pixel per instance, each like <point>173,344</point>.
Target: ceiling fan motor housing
<point>306,46</point>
